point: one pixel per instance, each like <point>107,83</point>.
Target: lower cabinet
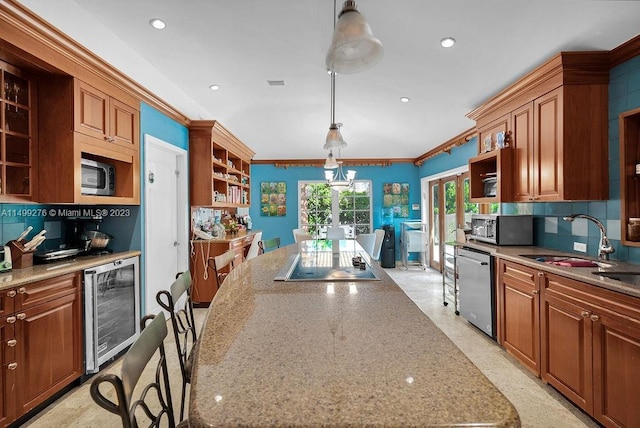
<point>519,313</point>
<point>588,339</point>
<point>41,343</point>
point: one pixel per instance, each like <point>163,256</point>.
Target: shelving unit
<point>498,164</point>
<point>16,135</point>
<point>629,180</point>
<point>449,277</point>
<point>414,239</point>
<point>219,166</point>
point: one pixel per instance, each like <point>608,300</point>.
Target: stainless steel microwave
<point>502,229</point>
<point>98,178</point>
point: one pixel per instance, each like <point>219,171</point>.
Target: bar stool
<point>220,262</point>
<point>155,394</point>
<point>184,327</point>
<point>269,244</point>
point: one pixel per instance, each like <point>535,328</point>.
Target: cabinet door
<point>547,139</point>
<point>90,111</point>
<point>8,370</point>
<point>49,350</point>
<point>522,128</point>
<point>616,364</point>
<point>519,308</point>
<point>566,350</point>
<point>123,124</point>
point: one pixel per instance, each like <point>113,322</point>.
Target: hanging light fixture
<point>334,138</point>
<point>338,181</point>
<point>353,48</point>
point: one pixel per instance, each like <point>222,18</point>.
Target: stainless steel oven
<point>112,310</point>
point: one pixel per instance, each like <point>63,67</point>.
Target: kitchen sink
<point>628,277</point>
<point>569,261</point>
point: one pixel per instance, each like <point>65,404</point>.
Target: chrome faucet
<point>604,248</point>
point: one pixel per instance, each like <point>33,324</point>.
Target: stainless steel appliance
<point>112,310</point>
<point>476,289</point>
<point>98,178</point>
<point>502,229</point>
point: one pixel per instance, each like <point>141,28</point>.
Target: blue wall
<point>444,162</point>
<point>283,226</point>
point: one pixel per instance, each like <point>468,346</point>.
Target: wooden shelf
<point>494,163</point>
<point>629,180</point>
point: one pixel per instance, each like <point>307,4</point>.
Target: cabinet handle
<point>22,290</point>
<point>11,320</point>
<point>11,343</point>
<point>534,292</point>
<point>12,366</point>
<point>594,318</point>
<point>11,293</point>
<point>21,316</point>
<point>541,274</point>
<point>585,314</point>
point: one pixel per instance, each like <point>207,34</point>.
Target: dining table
<point>318,334</point>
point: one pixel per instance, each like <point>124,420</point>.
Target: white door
<point>166,217</point>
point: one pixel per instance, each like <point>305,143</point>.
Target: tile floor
<point>538,405</point>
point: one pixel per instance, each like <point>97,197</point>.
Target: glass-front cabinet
<point>16,134</point>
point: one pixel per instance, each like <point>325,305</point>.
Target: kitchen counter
<point>583,274</point>
<point>331,353</point>
<point>242,234</point>
<point>35,273</point>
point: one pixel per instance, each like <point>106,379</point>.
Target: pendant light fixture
<point>353,48</point>
<point>334,138</point>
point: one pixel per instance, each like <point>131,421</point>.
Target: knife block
<point>20,258</point>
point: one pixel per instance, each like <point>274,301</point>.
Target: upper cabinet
<point>18,126</point>
<point>106,118</point>
<point>81,121</point>
<point>219,166</point>
<point>629,123</point>
<point>556,122</point>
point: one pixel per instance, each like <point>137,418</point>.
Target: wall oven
<point>112,310</point>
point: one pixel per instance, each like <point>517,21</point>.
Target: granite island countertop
<point>40,272</point>
<point>584,274</point>
<point>319,353</point>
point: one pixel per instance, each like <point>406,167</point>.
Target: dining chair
<point>335,233</point>
<point>269,244</point>
<point>254,249</point>
<point>301,235</point>
<point>377,246</point>
<point>367,242</point>
<point>154,401</point>
<point>184,326</point>
<point>220,262</point>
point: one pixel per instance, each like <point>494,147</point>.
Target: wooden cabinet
<point>518,296</point>
<point>591,349</point>
<point>43,352</point>
<point>18,135</point>
<point>98,115</point>
<point>205,285</point>
<point>219,166</point>
<point>629,125</point>
<point>557,116</point>
<point>79,121</point>
<point>488,167</point>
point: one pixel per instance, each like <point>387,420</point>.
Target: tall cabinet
<point>220,178</point>
<point>557,120</point>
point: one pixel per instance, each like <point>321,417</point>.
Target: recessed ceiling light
<point>158,24</point>
<point>447,42</point>
<point>214,87</point>
<point>405,99</point>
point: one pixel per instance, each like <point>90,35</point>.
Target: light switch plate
<point>579,246</point>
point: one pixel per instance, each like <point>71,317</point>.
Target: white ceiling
<point>240,44</point>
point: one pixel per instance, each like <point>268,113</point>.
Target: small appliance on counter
<point>5,259</point>
<point>502,229</point>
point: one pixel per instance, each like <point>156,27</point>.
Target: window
<point>321,207</point>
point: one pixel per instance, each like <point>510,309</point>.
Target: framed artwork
<point>273,198</point>
<point>396,196</point>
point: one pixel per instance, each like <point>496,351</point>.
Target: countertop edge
<point>39,272</point>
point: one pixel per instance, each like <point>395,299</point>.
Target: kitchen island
<point>331,353</point>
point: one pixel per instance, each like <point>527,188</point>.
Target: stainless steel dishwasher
<point>476,290</point>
